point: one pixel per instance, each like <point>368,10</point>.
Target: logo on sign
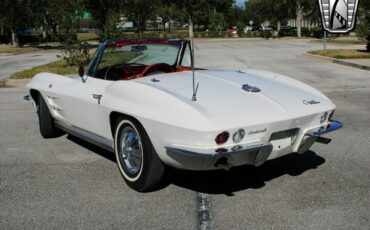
<point>338,16</point>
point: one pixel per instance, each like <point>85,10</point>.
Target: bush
<point>288,31</point>
<point>62,37</point>
<point>29,39</point>
<point>362,30</point>
<point>75,53</point>
<point>318,33</point>
<point>266,34</point>
<point>306,32</point>
<point>4,39</point>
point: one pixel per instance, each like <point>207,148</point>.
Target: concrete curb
<point>337,61</point>
<point>307,55</point>
<point>351,64</point>
<point>19,83</point>
<point>13,54</point>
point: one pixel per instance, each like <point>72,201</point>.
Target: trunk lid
<point>222,100</point>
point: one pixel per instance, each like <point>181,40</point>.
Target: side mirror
<point>81,71</point>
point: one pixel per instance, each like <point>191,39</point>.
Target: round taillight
<point>324,117</point>
<point>222,138</point>
<point>238,135</point>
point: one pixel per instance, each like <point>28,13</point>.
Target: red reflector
<point>221,150</point>
<point>222,138</point>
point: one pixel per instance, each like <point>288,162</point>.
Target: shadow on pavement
<point>227,182</point>
<point>100,151</point>
<point>245,177</point>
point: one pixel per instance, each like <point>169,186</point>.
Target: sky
<point>240,2</point>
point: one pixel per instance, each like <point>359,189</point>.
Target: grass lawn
<point>16,50</point>
<point>342,54</point>
<point>58,67</point>
<point>341,42</point>
<point>84,37</point>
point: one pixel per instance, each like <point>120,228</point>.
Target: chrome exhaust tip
<point>223,164</point>
<point>323,140</point>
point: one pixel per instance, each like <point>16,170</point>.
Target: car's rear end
<point>243,118</point>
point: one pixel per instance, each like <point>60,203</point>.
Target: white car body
<point>283,117</point>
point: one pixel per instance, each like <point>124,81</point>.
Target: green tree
<point>190,10</point>
<point>67,15</point>
<point>236,17</point>
<point>106,14</point>
<point>168,11</point>
<point>279,10</point>
<point>140,11</point>
<point>363,27</point>
<point>217,22</point>
<point>16,15</point>
<point>256,11</point>
<point>302,8</point>
<point>42,17</point>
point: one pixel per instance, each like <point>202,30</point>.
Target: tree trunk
<point>278,26</point>
<point>55,33</point>
<point>45,32</point>
<point>191,27</point>
<point>14,38</point>
<point>299,19</point>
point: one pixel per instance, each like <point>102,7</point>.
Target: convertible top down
<point>145,101</point>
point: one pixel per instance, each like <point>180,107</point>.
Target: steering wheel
<point>155,67</point>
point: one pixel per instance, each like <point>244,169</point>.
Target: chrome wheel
<point>130,151</point>
<point>135,155</point>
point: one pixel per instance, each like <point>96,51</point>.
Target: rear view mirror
<point>81,71</point>
<point>138,48</point>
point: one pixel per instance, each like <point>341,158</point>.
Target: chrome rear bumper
<point>332,126</point>
<point>248,154</point>
<point>226,157</point>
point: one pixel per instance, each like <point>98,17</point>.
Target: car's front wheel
<point>136,158</point>
<point>46,121</point>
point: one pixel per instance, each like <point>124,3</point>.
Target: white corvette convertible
<point>144,101</point>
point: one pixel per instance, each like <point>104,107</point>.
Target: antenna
<point>194,98</point>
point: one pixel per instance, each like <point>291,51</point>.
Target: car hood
<point>222,99</point>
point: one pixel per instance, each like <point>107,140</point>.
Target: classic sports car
<point>144,101</point>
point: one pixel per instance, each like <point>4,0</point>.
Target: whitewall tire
<point>135,155</point>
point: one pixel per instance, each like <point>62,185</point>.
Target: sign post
<point>325,41</point>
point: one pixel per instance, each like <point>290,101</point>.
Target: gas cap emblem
<point>251,89</point>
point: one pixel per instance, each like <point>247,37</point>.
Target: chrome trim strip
<point>253,148</point>
<point>243,150</point>
<point>332,126</point>
<point>86,135</point>
<point>186,152</point>
<point>205,159</point>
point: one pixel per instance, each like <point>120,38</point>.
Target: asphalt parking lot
<point>10,63</point>
<point>65,183</point>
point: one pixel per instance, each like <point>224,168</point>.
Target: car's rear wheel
<point>136,158</point>
<point>46,121</point>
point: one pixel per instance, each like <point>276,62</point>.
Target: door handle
<point>97,97</point>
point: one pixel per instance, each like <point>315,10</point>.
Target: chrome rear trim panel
<point>332,126</point>
<point>205,159</point>
<point>86,135</point>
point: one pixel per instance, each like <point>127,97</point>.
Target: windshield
<point>140,55</point>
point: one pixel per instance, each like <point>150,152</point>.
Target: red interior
<point>132,72</point>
